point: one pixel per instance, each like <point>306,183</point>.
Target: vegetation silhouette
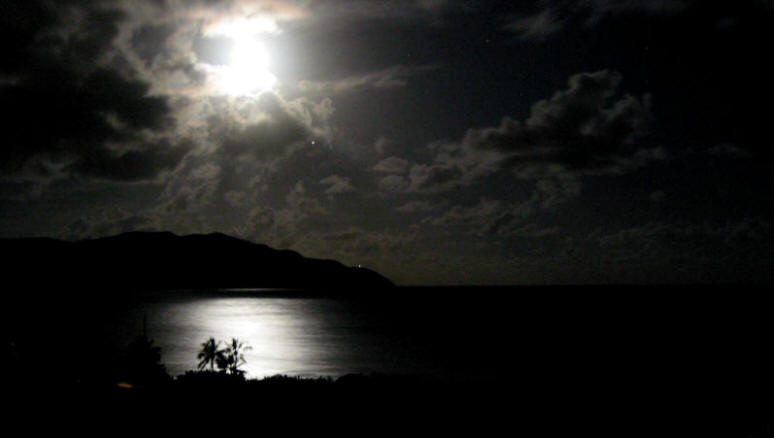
<point>209,354</point>
<point>228,360</point>
<point>234,357</point>
<point>363,400</point>
<point>143,364</point>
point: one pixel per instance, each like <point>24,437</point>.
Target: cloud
<point>657,196</point>
<point>247,151</point>
<point>734,250</point>
<point>417,207</point>
<point>394,183</point>
<point>599,8</point>
<point>192,188</point>
<point>384,146</point>
<point>109,221</point>
<point>488,217</point>
<point>537,26</point>
<point>301,204</point>
<point>100,125</point>
<point>131,165</point>
<point>550,17</point>
<point>729,151</point>
<point>389,78</point>
<point>652,235</point>
<point>238,148</point>
<point>401,10</point>
<point>585,129</point>
<point>392,252</point>
<point>286,225</point>
<point>273,134</point>
<point>71,109</point>
<point>530,231</point>
<point>435,178</point>
<point>581,128</point>
<point>392,165</point>
<point>477,216</point>
<point>149,41</point>
<point>337,185</point>
<point>492,217</point>
<point>550,193</point>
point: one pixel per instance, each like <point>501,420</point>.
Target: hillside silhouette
<point>163,260</point>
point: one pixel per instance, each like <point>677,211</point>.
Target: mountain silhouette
<point>163,260</point>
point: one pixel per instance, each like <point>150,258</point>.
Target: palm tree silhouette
<point>210,354</point>
<point>234,356</point>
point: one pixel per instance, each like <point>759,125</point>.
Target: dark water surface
<point>578,334</point>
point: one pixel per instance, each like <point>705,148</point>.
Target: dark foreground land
<point>203,403</point>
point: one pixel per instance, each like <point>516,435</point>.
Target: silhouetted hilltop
<point>162,260</point>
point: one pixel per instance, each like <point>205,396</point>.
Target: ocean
<point>547,334</point>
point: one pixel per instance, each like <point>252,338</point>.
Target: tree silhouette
<point>144,362</point>
<point>233,357</point>
<point>210,354</point>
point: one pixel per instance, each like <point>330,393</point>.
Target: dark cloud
<point>417,207</point>
<point>657,196</point>
<point>92,123</point>
<point>337,185</point>
<point>110,221</point>
<point>393,252</point>
<point>728,150</point>
<point>20,25</point>
<point>66,109</point>
<point>268,138</point>
<point>393,183</point>
<point>131,165</point>
<point>549,17</point>
<point>599,8</point>
<point>285,225</point>
<point>537,26</point>
<point>581,128</point>
<point>385,146</point>
<point>392,165</point>
<point>505,219</point>
<point>737,250</point>
<point>477,219</point>
<point>250,150</point>
<point>437,177</point>
<point>587,128</point>
<point>394,10</point>
<point>149,41</point>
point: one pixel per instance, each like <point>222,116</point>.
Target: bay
<point>534,334</point>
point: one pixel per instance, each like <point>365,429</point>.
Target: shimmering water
<point>295,336</point>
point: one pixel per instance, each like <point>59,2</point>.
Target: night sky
<point>434,141</point>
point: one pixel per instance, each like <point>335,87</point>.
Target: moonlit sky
<point>435,141</point>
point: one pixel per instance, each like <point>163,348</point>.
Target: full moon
<point>247,71</point>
